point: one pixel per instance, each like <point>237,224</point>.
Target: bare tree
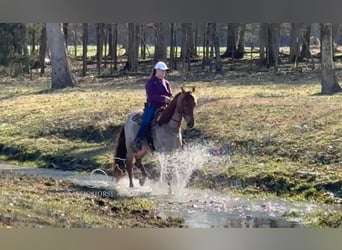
<point>99,47</point>
<point>114,54</point>
<point>173,44</point>
<point>296,40</point>
<point>42,49</point>
<point>66,34</point>
<point>61,76</point>
<point>329,81</point>
<point>263,34</point>
<point>133,48</point>
<point>273,44</point>
<point>305,52</point>
<point>85,48</point>
<point>161,30</point>
<point>215,39</point>
<point>187,50</point>
<point>241,43</point>
<point>232,41</point>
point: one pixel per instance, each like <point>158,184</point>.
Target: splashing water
<point>176,168</point>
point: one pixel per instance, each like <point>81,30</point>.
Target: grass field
<point>285,139</point>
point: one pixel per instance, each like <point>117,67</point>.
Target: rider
<point>159,93</point>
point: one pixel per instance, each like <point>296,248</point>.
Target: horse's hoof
<point>142,181</point>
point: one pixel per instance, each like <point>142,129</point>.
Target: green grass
<point>286,139</point>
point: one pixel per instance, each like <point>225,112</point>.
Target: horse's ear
<point>183,91</point>
<point>193,89</point>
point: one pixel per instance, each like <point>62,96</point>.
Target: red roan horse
<point>166,135</point>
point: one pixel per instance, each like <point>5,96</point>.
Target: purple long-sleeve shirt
<point>156,90</point>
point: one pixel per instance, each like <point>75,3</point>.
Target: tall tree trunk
<point>85,48</point>
<point>142,41</point>
<point>104,43</point>
<point>110,39</point>
<point>215,39</point>
<point>33,40</point>
<point>133,48</point>
<point>263,37</point>
<point>176,50</point>
<point>21,42</point>
<point>115,45</point>
<point>172,46</point>
<point>305,52</point>
<point>273,45</point>
<point>187,41</point>
<point>196,40</point>
<point>295,41</point>
<point>204,47</point>
<point>335,34</point>
<point>329,81</point>
<point>75,39</point>
<point>66,34</point>
<point>25,49</point>
<point>183,47</point>
<point>161,44</point>
<point>232,40</point>
<point>99,50</point>
<point>241,43</point>
<point>42,49</point>
<point>61,76</point>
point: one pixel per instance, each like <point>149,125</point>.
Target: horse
<point>165,133</point>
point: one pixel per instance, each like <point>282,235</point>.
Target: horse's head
<point>185,105</point>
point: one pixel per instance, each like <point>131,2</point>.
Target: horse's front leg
<point>138,163</point>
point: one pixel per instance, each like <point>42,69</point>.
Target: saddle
<point>137,118</point>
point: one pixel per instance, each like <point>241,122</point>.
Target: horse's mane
<point>170,109</point>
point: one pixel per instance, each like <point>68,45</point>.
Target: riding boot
<point>138,144</point>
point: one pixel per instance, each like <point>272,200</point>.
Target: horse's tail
<point>121,150</point>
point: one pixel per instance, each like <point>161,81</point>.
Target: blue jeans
<point>146,120</point>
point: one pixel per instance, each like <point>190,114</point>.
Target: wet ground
<point>199,208</point>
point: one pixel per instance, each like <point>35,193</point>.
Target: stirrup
<point>138,144</point>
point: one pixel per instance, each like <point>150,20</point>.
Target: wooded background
<point>129,48</point>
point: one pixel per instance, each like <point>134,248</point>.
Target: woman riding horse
<point>166,136</point>
<point>159,93</point>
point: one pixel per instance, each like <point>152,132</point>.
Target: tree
<point>161,30</point>
<point>329,80</point>
<point>12,41</point>
<point>61,76</point>
<point>305,52</point>
<point>187,50</point>
<point>273,44</point>
<point>133,47</point>
<point>42,49</point>
<point>215,40</point>
<point>233,40</point>
<point>85,48</point>
<point>270,38</point>
<point>99,46</point>
<point>241,43</point>
<point>173,44</point>
<point>295,42</point>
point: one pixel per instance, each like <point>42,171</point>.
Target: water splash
<point>176,168</point>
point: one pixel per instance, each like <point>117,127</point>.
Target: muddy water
<point>200,209</point>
